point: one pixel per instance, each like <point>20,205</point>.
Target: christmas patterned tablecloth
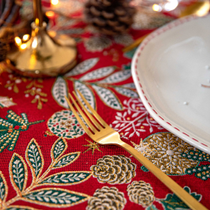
<point>48,162</point>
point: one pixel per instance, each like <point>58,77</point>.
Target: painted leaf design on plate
<point>58,148</point>
<point>86,92</point>
<point>3,188</point>
<point>55,197</point>
<point>127,92</point>
<point>18,172</point>
<point>83,67</point>
<point>34,158</point>
<point>117,77</point>
<point>66,159</point>
<point>59,91</point>
<point>67,178</point>
<point>108,97</point>
<point>98,73</point>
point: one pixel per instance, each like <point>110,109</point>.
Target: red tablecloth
<point>46,159</point>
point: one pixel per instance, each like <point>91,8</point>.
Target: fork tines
<point>86,115</point>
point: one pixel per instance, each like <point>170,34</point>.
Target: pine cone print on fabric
<point>114,169</point>
<point>107,199</point>
<point>109,16</point>
<point>141,193</point>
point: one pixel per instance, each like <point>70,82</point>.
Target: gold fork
<point>102,133</point>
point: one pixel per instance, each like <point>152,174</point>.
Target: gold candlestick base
<point>44,54</point>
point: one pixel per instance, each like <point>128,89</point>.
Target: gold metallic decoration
<point>199,8</point>
<point>44,53</point>
<point>92,146</point>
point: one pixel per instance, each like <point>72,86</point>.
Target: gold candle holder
<point>44,54</point>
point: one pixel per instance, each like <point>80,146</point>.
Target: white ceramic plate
<point>170,69</point>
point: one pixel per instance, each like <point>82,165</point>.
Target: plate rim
<point>155,113</point>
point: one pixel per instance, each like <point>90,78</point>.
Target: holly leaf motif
<point>59,91</point>
<point>108,97</point>
<point>18,172</point>
<point>173,202</point>
<point>34,158</point>
<point>83,67</point>
<point>58,148</point>
<point>86,92</point>
<point>117,77</point>
<point>3,188</point>
<point>66,160</point>
<point>55,197</point>
<point>127,92</point>
<point>98,73</point>
<point>67,178</point>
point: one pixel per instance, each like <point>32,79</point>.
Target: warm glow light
<point>203,10</point>
<point>34,43</point>
<point>32,61</point>
<point>25,37</point>
<point>23,46</point>
<point>50,14</point>
<point>37,21</point>
<point>52,33</point>
<point>54,2</point>
<point>18,41</point>
<point>156,8</point>
<point>171,5</point>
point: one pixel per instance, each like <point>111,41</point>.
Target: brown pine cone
<point>114,169</point>
<point>141,193</point>
<point>109,16</point>
<point>107,199</point>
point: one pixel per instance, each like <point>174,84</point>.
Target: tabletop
<point>48,162</point>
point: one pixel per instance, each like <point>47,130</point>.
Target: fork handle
<point>172,185</point>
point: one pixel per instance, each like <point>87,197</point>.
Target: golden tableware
<point>44,53</point>
<point>103,134</point>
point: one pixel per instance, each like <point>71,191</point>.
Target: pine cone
<point>114,169</point>
<point>107,199</point>
<point>109,16</point>
<point>141,193</point>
